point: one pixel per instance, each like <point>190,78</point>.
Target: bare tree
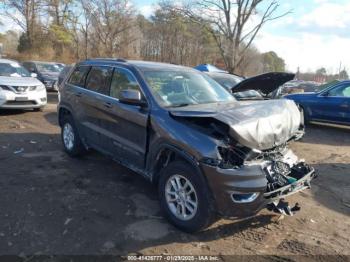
<point>111,21</point>
<point>234,24</point>
<point>25,14</point>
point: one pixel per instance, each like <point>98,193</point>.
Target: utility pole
<point>298,73</point>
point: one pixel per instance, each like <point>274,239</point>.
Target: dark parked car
<point>63,74</point>
<point>177,127</point>
<point>47,72</point>
<point>331,105</point>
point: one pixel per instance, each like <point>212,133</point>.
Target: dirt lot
<point>51,204</point>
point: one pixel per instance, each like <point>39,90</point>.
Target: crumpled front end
<point>262,178</point>
<point>264,125</point>
<point>251,164</point>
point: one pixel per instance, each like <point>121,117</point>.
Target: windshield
<point>52,68</point>
<point>182,88</point>
<point>13,69</point>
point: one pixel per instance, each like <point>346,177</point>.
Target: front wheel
<point>184,197</point>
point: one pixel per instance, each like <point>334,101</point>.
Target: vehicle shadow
<point>8,112</point>
<point>92,205</point>
<point>52,118</point>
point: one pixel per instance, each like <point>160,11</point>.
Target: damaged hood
<point>258,125</point>
<point>265,83</point>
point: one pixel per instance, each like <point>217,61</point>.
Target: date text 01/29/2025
<point>172,258</point>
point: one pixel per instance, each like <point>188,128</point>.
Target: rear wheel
<point>70,138</point>
<point>184,197</point>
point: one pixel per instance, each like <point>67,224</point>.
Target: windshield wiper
<point>181,105</point>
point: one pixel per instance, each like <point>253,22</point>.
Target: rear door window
<point>99,79</point>
<point>78,76</point>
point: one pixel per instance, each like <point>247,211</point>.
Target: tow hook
<point>282,207</point>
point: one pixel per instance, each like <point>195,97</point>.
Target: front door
<point>125,126</point>
<point>334,105</point>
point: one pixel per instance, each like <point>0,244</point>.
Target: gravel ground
<point>52,204</point>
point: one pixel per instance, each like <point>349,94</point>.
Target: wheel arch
<point>62,112</point>
<point>166,153</point>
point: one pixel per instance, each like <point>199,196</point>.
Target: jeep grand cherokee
<point>177,127</point>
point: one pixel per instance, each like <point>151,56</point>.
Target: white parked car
<point>19,89</point>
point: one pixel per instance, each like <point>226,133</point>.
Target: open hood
<point>265,83</point>
<point>258,125</point>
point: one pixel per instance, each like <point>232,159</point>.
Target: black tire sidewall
<point>204,212</point>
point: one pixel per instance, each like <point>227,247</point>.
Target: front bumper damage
<point>244,191</point>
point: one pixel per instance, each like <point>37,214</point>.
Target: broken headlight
<point>3,87</point>
<point>235,156</point>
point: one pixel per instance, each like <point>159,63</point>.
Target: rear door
<point>93,103</point>
<point>334,105</point>
<point>124,125</point>
<point>73,94</point>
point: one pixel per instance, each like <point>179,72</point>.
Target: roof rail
<point>107,59</point>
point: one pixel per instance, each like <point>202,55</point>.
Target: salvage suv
<point>207,153</point>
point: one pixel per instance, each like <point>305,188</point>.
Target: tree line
<point>190,32</point>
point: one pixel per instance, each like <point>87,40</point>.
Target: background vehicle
<point>63,74</point>
<point>47,72</point>
<point>61,65</point>
<point>182,130</point>
<point>298,86</point>
<point>209,68</point>
<point>332,104</point>
<point>18,88</point>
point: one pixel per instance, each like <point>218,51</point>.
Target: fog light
<point>43,99</point>
<point>244,197</point>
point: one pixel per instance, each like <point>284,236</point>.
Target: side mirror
<point>34,75</point>
<point>325,94</point>
<point>131,97</point>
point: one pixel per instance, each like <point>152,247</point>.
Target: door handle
<point>344,105</point>
<point>107,105</point>
<point>78,94</point>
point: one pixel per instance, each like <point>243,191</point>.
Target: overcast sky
<point>315,34</point>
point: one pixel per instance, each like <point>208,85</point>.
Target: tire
<point>38,109</point>
<point>306,118</point>
<point>203,215</point>
<point>70,138</point>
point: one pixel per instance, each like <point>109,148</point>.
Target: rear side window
<point>122,80</point>
<point>99,79</point>
<point>78,76</point>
